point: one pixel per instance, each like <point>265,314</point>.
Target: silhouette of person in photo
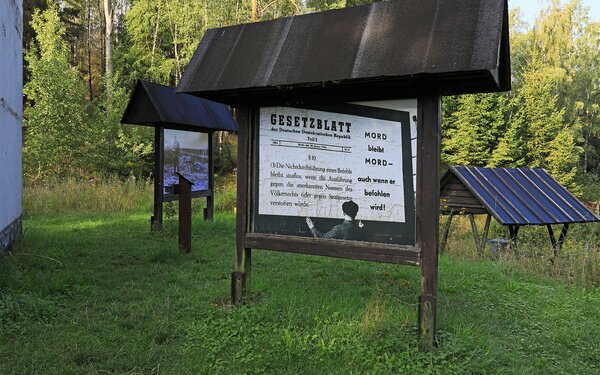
<point>348,230</point>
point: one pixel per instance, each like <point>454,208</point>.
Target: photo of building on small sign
<point>343,172</point>
<point>185,153</point>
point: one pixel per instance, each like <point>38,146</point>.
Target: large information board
<point>311,161</point>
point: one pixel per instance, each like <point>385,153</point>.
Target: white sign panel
<point>312,161</point>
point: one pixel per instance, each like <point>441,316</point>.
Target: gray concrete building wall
<point>11,117</point>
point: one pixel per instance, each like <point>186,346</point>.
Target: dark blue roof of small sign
<point>523,196</point>
<point>153,104</point>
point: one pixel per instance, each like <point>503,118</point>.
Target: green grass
<point>578,264</point>
<point>95,293</point>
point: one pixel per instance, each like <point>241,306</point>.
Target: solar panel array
<point>523,196</point>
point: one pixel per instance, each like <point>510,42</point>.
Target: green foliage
<point>121,150</point>
<point>511,150</point>
<point>66,135</point>
<point>478,123</point>
<point>57,135</point>
<point>562,160</point>
<point>590,184</point>
<point>162,36</point>
<point>536,110</point>
<point>225,153</point>
<point>551,119</point>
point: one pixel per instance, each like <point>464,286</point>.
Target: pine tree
<point>476,127</point>
<point>562,159</point>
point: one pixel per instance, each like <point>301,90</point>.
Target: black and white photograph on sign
<point>341,171</point>
<point>185,153</point>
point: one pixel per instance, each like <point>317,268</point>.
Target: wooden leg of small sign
<point>428,207</point>
<point>185,214</point>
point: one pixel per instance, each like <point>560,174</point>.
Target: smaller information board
<point>187,153</point>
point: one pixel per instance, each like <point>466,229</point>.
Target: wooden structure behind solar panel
<point>184,127</point>
<point>361,64</point>
<point>515,197</point>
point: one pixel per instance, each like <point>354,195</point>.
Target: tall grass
<point>99,293</point>
<point>578,262</point>
<point>69,195</point>
<point>112,195</point>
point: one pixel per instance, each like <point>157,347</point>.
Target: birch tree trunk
<point>254,10</point>
<point>89,48</point>
<point>108,31</point>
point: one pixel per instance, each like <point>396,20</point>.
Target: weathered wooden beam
<point>157,218</point>
<point>399,254</point>
<point>428,208</point>
<point>195,194</point>
<point>209,211</point>
<point>184,189</point>
<point>242,254</point>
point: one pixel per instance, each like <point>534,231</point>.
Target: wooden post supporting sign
<point>243,255</point>
<point>209,211</point>
<point>428,206</point>
<point>157,218</point>
<point>184,189</point>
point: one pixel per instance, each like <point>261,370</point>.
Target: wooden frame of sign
<point>159,164</point>
<point>422,252</point>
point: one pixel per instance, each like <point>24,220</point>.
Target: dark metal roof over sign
<point>458,46</point>
<point>522,196</point>
<point>153,104</point>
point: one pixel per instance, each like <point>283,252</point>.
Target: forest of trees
<point>82,58</point>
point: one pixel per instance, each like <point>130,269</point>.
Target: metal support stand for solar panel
<point>557,245</point>
<point>446,233</point>
<point>514,231</point>
<point>480,243</point>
